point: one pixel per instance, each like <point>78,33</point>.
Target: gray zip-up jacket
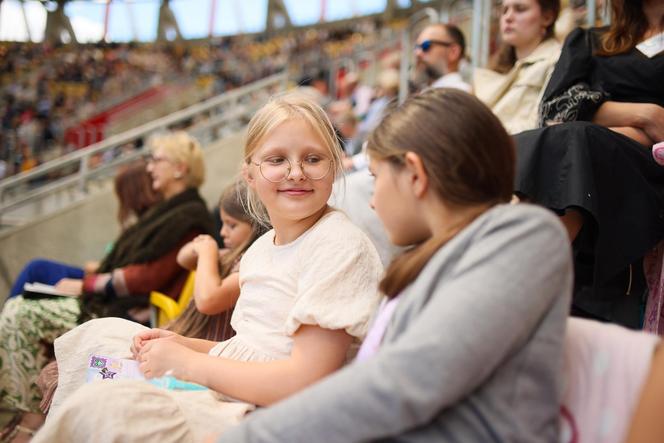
<point>472,354</point>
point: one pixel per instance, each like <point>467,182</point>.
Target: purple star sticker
<point>105,373</point>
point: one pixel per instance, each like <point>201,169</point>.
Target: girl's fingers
<point>143,367</point>
<point>145,349</point>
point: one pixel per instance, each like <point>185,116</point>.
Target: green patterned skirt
<point>27,327</point>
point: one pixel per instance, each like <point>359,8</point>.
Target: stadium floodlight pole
<point>478,14</point>
<point>606,13</point>
<point>25,20</point>
<point>107,12</point>
<point>213,11</point>
<point>591,14</point>
<point>445,11</point>
<point>486,31</point>
<point>406,49</point>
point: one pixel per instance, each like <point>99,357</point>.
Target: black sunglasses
<point>425,46</point>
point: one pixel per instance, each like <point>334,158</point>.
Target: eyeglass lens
<point>277,169</point>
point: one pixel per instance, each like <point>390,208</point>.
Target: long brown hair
<point>133,188</point>
<point>505,58</point>
<point>467,154</point>
<point>628,26</point>
<point>193,323</point>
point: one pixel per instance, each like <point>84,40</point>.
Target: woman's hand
<point>205,244</point>
<point>90,267</point>
<point>635,134</point>
<point>653,122</point>
<point>70,286</point>
<point>142,338</point>
<point>164,356</point>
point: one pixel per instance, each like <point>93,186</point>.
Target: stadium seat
<point>164,309</point>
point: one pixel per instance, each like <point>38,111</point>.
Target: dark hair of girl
<point>467,154</point>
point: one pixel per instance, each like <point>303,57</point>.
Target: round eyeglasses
<point>276,169</point>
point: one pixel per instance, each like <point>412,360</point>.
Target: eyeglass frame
<point>290,169</point>
<point>151,158</point>
<point>426,45</point>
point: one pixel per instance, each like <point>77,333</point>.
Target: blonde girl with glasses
<point>308,289</point>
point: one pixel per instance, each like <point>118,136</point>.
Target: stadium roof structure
<point>83,21</point>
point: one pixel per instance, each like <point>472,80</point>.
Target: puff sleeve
<point>338,282</point>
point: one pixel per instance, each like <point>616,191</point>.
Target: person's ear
<point>247,175</point>
<point>180,171</point>
<point>454,53</point>
<point>418,177</point>
<point>547,19</point>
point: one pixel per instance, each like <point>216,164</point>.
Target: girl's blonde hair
<point>181,147</point>
<point>280,109</point>
<point>467,154</point>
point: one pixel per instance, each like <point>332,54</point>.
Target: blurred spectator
<point>519,72</point>
<point>346,124</point>
<point>439,51</point>
<point>358,94</point>
<point>386,93</point>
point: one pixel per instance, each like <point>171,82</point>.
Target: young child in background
<point>308,290</point>
<point>217,284</point>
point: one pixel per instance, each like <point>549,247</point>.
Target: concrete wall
<point>82,231</point>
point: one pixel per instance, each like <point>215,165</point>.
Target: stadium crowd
<point>480,263</point>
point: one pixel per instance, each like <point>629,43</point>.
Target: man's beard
<point>424,74</point>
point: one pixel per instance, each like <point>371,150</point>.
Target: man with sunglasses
<point>439,50</point>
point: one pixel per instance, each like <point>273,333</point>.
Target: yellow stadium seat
<point>165,309</point>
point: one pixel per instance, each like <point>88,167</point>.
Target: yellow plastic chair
<point>164,308</point>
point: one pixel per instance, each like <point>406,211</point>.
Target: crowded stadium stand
<point>502,276</point>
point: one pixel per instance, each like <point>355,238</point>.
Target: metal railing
<point>214,114</point>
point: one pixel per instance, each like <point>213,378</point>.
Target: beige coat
<point>514,97</point>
